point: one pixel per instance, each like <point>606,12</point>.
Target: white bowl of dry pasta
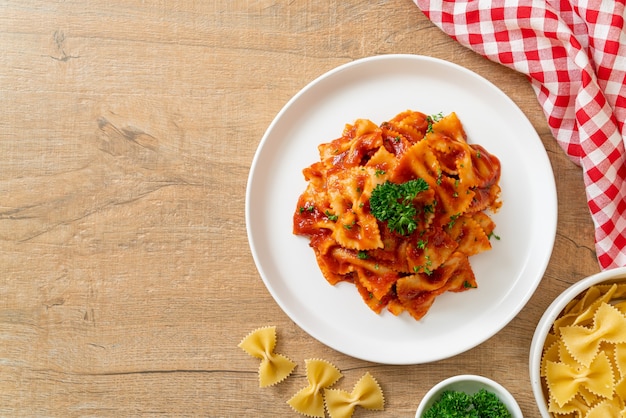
<point>578,351</point>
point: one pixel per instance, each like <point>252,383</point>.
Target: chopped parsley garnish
<point>453,219</point>
<point>426,268</point>
<point>459,404</point>
<point>492,235</point>
<point>362,255</point>
<point>393,203</point>
<point>331,216</point>
<point>433,119</point>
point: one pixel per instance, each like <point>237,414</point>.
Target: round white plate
<point>378,88</point>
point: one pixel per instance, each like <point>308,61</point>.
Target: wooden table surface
<point>127,132</point>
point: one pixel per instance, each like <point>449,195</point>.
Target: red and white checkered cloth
<point>574,54</point>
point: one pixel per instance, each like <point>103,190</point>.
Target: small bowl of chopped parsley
<point>468,396</point>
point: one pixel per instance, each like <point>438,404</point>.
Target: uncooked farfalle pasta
<point>398,209</point>
<point>365,394</point>
<point>317,398</point>
<point>309,400</point>
<point>583,365</point>
<point>274,368</point>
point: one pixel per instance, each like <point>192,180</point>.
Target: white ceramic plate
<point>378,88</point>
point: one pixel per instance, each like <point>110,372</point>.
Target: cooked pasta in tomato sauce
<point>398,208</point>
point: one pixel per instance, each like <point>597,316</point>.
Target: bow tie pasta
<point>583,366</point>
<point>398,209</point>
<point>274,367</point>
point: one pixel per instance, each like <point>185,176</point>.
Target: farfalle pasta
<point>584,342</point>
<point>309,400</point>
<point>566,380</point>
<point>398,209</point>
<point>583,368</point>
<point>316,398</point>
<point>274,368</point>
<point>365,394</point>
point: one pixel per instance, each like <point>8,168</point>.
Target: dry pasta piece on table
<point>366,394</point>
<point>274,368</point>
<point>309,400</point>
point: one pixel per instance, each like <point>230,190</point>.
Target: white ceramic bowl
<point>469,384</point>
<point>546,321</point>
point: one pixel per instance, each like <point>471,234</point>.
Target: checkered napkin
<point>574,54</point>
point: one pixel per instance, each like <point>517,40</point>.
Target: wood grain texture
<point>126,136</point>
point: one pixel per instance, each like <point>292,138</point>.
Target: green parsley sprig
<point>393,203</point>
<point>457,404</point>
<point>432,119</point>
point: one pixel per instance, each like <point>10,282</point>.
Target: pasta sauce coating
<point>412,241</point>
